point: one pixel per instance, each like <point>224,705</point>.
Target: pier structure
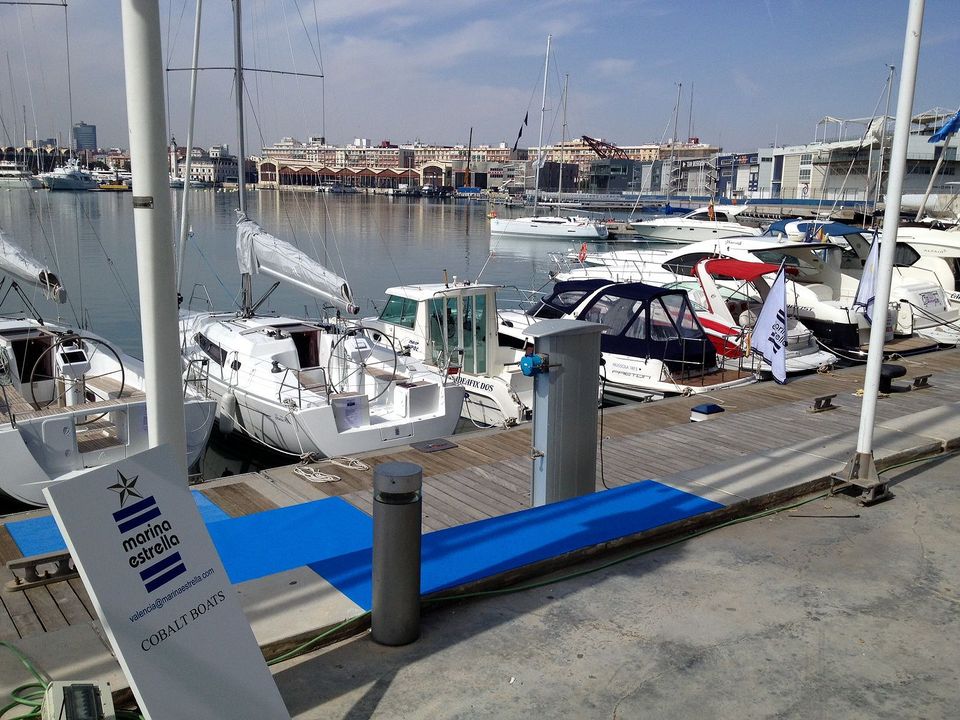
<point>294,539</point>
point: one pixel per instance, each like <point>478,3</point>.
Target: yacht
<point>706,223</point>
<point>69,176</point>
<point>550,227</point>
<point>653,344</point>
<point>13,175</point>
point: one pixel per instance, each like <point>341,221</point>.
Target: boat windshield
<point>399,311</point>
<point>559,304</point>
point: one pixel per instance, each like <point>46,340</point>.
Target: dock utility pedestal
<point>564,409</point>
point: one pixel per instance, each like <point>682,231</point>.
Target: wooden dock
<point>487,473</point>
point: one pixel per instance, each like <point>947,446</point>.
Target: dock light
<point>534,364</point>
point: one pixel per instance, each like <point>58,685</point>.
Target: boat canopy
<point>648,321</point>
<point>565,297</point>
<point>259,251</point>
<point>742,269</point>
<point>813,228</point>
<point>18,262</point>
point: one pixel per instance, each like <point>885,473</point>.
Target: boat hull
<point>548,229</point>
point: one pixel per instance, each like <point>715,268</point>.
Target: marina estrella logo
<point>148,539</point>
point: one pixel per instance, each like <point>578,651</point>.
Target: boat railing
<point>297,380</point>
<point>197,375</point>
<point>205,297</point>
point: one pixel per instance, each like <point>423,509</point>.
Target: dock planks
<point>488,472</point>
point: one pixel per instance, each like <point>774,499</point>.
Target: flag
<point>867,289</point>
<point>949,127</point>
<point>520,134</point>
<point>770,330</point>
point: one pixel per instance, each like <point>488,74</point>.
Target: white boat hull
<point>689,231</point>
<point>549,228</point>
<point>20,183</point>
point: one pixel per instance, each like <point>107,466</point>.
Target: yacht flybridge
<point>706,223</point>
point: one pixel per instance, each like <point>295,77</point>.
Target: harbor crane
<point>604,149</point>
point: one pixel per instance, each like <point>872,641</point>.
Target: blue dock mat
<point>487,547</point>
<point>37,536</point>
<point>335,539</point>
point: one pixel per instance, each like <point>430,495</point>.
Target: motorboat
<point>550,227</point>
<point>728,313</point>
<point>821,291</point>
<point>452,328</point>
<point>653,344</point>
<point>306,387</point>
<point>15,176</point>
<point>706,223</point>
<point>69,176</point>
<point>70,400</point>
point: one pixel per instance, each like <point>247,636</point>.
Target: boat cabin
<point>443,324</point>
<point>642,320</point>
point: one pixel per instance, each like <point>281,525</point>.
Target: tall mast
<point>184,213</point>
<point>543,109</point>
<point>673,144</point>
<point>883,133</point>
<point>563,139</point>
<point>246,280</point>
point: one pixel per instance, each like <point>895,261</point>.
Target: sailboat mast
<point>184,213</point>
<point>563,139</point>
<point>883,133</point>
<point>673,144</point>
<point>543,109</point>
<point>246,279</point>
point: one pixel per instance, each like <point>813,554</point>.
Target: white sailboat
<point>69,400</point>
<point>302,386</point>
<point>572,227</point>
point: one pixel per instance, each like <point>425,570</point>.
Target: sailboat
<point>549,227</point>
<point>301,386</point>
<point>69,400</point>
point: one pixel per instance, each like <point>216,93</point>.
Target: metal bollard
<point>395,616</point>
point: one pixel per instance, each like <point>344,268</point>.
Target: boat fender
<point>226,412</point>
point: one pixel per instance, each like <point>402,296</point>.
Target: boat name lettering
<point>472,382</point>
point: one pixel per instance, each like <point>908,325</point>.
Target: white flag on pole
<point>867,289</point>
<point>770,330</point>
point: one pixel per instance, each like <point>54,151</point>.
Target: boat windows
<point>212,350</point>
<point>679,309</point>
<point>400,311</point>
<point>661,326</point>
<point>684,264</point>
<point>558,305</point>
<point>474,321</point>
<point>443,313</point>
<point>613,311</point>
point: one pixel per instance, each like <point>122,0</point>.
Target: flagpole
<point>860,470</point>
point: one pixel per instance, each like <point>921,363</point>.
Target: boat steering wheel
<point>63,385</point>
<point>343,366</point>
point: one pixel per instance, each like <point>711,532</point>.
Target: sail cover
<point>16,261</point>
<point>259,251</point>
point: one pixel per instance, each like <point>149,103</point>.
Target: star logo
<point>127,487</point>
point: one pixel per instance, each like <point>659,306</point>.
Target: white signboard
<point>160,590</point>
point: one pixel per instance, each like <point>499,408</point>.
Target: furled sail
<point>16,261</point>
<point>259,251</point>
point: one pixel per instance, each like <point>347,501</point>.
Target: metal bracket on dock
<point>861,473</point>
<point>824,402</point>
<point>921,382</point>
<point>38,570</point>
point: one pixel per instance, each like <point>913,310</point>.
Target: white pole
<point>543,109</point>
<point>184,215</point>
<point>153,225</point>
<point>863,467</point>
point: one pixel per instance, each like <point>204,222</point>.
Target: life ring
<point>582,255</point>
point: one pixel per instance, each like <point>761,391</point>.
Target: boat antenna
<point>673,142</point>
<point>543,109</point>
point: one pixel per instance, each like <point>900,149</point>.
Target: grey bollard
<point>395,616</point>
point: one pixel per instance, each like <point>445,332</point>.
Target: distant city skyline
<point>406,71</point>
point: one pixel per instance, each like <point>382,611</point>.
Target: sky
<point>758,72</point>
